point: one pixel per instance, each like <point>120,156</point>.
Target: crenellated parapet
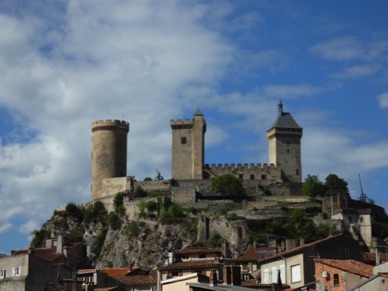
<point>245,171</point>
<point>181,124</point>
<point>108,124</point>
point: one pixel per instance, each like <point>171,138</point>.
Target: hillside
<point>146,235</point>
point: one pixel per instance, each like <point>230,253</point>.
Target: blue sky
<point>64,64</point>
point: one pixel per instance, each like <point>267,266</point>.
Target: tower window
<point>297,172</point>
<point>252,177</point>
<point>183,140</point>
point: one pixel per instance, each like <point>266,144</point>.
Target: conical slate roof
<point>284,119</point>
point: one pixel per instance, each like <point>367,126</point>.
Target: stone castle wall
<point>246,171</point>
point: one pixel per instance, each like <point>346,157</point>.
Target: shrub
<point>133,228</point>
<point>74,211</point>
<point>228,185</point>
<point>114,221</point>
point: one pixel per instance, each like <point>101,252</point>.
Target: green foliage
<point>296,225</point>
<point>172,214</point>
<point>74,211</point>
<point>147,179</point>
<point>100,239</point>
<point>114,221</point>
<point>215,240</point>
<point>134,228</point>
<point>336,186</point>
<point>95,212</point>
<point>233,216</point>
<point>39,238</point>
<point>313,187</point>
<point>139,192</point>
<point>118,203</point>
<point>228,185</point>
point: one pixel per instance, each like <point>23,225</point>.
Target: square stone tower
<point>188,143</point>
<point>284,142</point>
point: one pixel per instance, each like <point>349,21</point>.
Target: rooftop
<point>350,266</point>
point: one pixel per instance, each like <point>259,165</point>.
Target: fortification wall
<point>112,186</point>
<point>246,171</point>
<point>154,186</point>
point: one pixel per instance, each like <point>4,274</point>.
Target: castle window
<point>297,172</point>
<point>252,177</point>
<point>262,177</point>
<point>241,176</point>
<point>183,140</point>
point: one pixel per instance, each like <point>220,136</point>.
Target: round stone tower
<point>109,153</point>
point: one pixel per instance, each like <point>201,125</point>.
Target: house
<point>32,270</point>
<point>340,275</point>
<point>248,260</point>
<point>378,281</point>
<point>200,260</point>
<point>40,268</point>
<point>296,266</point>
<point>133,279</point>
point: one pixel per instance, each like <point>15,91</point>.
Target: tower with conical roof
<point>188,142</point>
<point>284,142</point>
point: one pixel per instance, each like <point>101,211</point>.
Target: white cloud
<point>357,71</point>
<point>98,60</point>
<point>383,100</point>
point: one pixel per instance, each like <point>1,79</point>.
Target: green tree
<point>139,192</point>
<point>336,186</point>
<point>74,211</point>
<point>39,238</point>
<point>118,202</point>
<point>312,187</point>
<point>114,220</point>
<point>228,185</point>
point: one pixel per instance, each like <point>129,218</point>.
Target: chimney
<point>213,278</point>
<point>59,244</point>
<point>301,242</point>
<point>290,244</point>
<point>227,275</point>
<point>377,257</point>
<point>236,276</point>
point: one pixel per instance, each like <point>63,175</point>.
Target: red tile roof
<point>138,280</point>
<point>254,254</point>
<point>370,258</point>
<point>187,265</point>
<point>116,272</point>
<point>46,254</point>
<point>198,250</point>
<point>350,266</point>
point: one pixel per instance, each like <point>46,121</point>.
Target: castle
<point>109,155</point>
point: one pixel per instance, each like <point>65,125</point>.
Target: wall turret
<point>109,153</point>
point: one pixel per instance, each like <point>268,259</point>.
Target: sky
<point>67,63</point>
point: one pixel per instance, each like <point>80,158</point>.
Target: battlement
<point>240,167</point>
<point>110,124</point>
<point>181,124</point>
<point>245,171</point>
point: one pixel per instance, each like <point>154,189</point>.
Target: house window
<point>252,177</point>
<point>183,140</point>
<point>295,274</point>
<point>336,279</point>
<point>266,276</point>
<point>16,271</point>
<point>202,256</point>
<point>262,177</point>
<point>274,275</point>
<point>2,273</point>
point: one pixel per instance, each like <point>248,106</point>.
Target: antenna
<point>363,197</point>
